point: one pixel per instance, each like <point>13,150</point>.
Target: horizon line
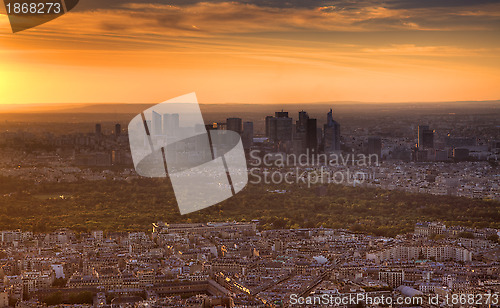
<point>69,105</point>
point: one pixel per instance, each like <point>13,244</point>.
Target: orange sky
<point>233,52</point>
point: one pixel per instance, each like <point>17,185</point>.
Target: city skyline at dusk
<point>249,153</point>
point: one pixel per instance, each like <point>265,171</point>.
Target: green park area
<point>134,205</point>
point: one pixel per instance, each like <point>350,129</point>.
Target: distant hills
<point>100,108</point>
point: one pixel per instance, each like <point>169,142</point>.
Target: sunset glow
<point>234,52</point>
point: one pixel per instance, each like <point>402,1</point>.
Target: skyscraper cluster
<point>244,129</point>
<point>303,136</point>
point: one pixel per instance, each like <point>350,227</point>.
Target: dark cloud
<point>224,16</point>
<point>415,4</point>
<point>106,4</point>
<point>333,4</point>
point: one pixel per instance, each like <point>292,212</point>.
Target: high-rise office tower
<point>311,136</point>
<point>283,127</point>
<point>118,129</point>
<point>247,136</point>
<point>98,129</point>
<point>281,114</point>
<point>428,139</point>
<point>234,124</point>
<point>279,127</point>
<point>319,136</point>
<point>425,137</point>
<point>299,133</point>
<point>301,125</point>
<point>331,133</point>
<point>156,121</point>
<point>268,126</point>
<point>420,135</point>
<point>375,145</point>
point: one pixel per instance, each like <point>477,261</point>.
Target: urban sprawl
<point>234,264</point>
<point>425,161</point>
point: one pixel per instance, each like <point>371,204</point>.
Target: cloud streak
<point>203,19</point>
<point>353,50</point>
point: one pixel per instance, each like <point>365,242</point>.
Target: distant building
<point>311,136</point>
<point>420,135</point>
<point>393,278</point>
<point>375,146</point>
<point>299,133</point>
<point>331,134</point>
<point>157,124</point>
<point>98,235</point>
<point>301,124</point>
<point>401,153</point>
<point>199,228</point>
<point>455,142</point>
<point>118,129</point>
<point>216,126</point>
<point>420,155</point>
<point>441,155</point>
<point>235,124</point>
<point>407,253</point>
<point>279,127</point>
<point>170,123</point>
<point>429,228</point>
<point>268,126</point>
<point>35,280</point>
<point>305,134</point>
<point>98,129</point>
<point>425,137</point>
<point>247,136</point>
